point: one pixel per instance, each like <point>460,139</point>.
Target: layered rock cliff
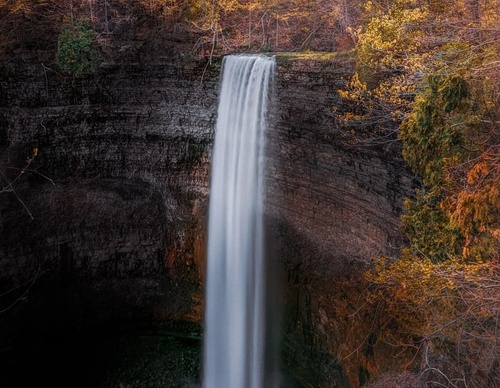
<point>112,208</point>
<point>119,189</point>
<point>334,205</point>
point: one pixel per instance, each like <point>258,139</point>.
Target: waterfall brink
<point>234,339</point>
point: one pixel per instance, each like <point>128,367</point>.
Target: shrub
<point>77,51</point>
<point>449,312</point>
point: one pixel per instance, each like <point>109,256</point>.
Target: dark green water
<point>104,359</point>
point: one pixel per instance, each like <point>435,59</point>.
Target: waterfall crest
<point>234,306</point>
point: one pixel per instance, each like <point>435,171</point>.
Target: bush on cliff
<point>77,51</point>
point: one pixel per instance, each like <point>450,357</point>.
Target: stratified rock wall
<point>343,198</point>
<point>118,197</point>
<point>113,204</point>
<point>334,203</point>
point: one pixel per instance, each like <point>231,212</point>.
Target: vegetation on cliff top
<point>202,27</point>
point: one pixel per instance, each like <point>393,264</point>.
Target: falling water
<point>234,311</point>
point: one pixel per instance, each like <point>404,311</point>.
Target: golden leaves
<point>18,6</point>
<point>439,308</point>
<point>478,171</point>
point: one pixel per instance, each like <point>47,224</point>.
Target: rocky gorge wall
<point>334,206</point>
<point>118,230</point>
<point>116,192</point>
<point>345,199</point>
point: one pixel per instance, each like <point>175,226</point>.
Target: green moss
<point>154,360</point>
<point>314,56</point>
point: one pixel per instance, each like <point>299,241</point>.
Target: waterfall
<point>234,332</point>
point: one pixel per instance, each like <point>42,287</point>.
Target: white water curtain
<point>234,304</point>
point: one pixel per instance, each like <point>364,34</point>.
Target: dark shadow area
<point>116,355</point>
<point>86,299</point>
<point>305,362</point>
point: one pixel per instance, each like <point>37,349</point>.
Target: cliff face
<point>123,225</point>
<point>333,205</point>
<point>116,192</point>
<point>344,199</point>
